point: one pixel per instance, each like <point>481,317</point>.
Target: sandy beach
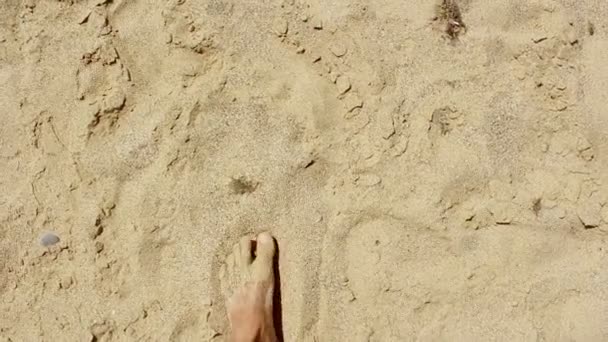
<point>430,172</point>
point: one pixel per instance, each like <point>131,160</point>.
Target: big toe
<point>263,263</point>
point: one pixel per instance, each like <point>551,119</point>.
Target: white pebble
<point>48,239</point>
<point>343,85</point>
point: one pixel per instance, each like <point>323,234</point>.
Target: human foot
<point>248,284</point>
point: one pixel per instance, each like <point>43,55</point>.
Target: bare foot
<point>248,285</point>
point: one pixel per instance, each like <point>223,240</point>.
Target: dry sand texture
<point>421,187</point>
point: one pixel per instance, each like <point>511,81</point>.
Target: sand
<point>422,184</point>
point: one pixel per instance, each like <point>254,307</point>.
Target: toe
<point>227,274</point>
<point>224,279</point>
<point>265,247</point>
<point>229,270</point>
<point>245,251</point>
<point>236,256</point>
<point>223,274</point>
<point>263,263</point>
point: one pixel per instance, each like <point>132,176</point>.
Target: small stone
<point>590,28</point>
<point>96,231</point>
<point>304,18</point>
<point>98,246</point>
<point>572,190</point>
<point>604,214</point>
<point>400,148</point>
<point>583,144</point>
<point>560,212</point>
<point>300,50</point>
<point>114,102</point>
<point>338,49</point>
<point>98,330</point>
<point>168,38</point>
<point>84,18</point>
<point>564,55</point>
<point>280,27</point>
<point>333,76</point>
<point>350,295</point>
<point>105,30</point>
<point>503,219</point>
<point>453,114</point>
<point>368,180</point>
<point>318,25</point>
<point>548,203</point>
<point>500,190</point>
<point>108,54</point>
<point>572,37</point>
<point>589,214</point>
<point>602,197</point>
<point>343,85</point>
<point>316,58</point>
<point>318,217</point>
<point>558,106</point>
<point>352,102</point>
<point>587,155</point>
<point>66,282</point>
<point>383,124</point>
<point>107,208</point>
<point>49,239</point>
<point>544,147</point>
<point>584,149</point>
<point>502,213</point>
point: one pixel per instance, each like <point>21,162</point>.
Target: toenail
<point>264,238</point>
